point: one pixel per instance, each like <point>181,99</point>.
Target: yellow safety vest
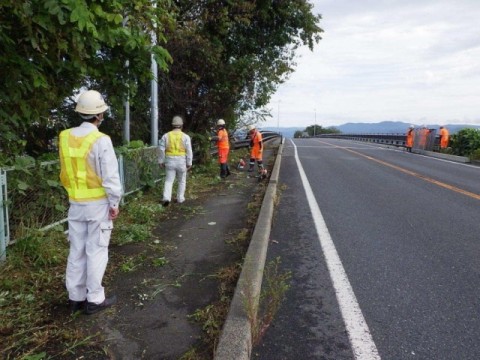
<point>175,145</point>
<point>77,176</point>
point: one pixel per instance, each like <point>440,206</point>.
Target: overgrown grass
<point>213,316</point>
<point>34,319</point>
<point>261,313</point>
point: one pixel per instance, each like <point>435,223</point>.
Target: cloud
<point>414,61</point>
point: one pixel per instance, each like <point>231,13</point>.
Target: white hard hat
<point>411,126</point>
<point>251,127</point>
<point>221,122</point>
<point>91,103</point>
<point>177,121</point>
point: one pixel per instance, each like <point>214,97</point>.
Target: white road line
<point>358,333</point>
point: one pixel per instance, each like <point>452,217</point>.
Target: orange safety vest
<point>76,174</point>
<point>222,142</point>
<point>256,139</point>
<point>409,142</point>
<point>175,145</point>
<point>444,138</point>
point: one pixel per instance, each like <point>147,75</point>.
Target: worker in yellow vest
<point>89,173</point>
<point>176,157</point>
<point>223,148</point>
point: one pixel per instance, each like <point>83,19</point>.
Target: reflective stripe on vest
<point>175,145</point>
<point>77,176</point>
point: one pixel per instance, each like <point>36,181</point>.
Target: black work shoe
<point>92,308</point>
<point>76,306</point>
<point>165,203</point>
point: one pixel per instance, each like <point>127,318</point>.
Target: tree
<point>51,48</point>
<point>229,56</point>
<point>465,142</point>
<point>318,130</point>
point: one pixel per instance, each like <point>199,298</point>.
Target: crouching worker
<point>89,173</point>
<point>176,157</point>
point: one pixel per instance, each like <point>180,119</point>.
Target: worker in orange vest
<point>409,138</point>
<point>444,137</point>
<point>256,152</point>
<point>223,146</point>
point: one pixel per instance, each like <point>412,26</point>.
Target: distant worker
<point>176,157</point>
<point>444,137</point>
<point>423,137</point>
<point>223,147</point>
<point>256,152</point>
<point>409,138</point>
<point>89,173</point>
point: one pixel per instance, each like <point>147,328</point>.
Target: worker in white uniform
<point>176,157</point>
<point>89,173</point>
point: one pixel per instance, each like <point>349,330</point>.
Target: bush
<point>466,142</point>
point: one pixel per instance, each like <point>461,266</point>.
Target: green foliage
<point>202,147</point>
<point>318,130</point>
<point>35,248</point>
<point>246,49</point>
<point>161,261</point>
<point>217,59</point>
<point>298,134</point>
<point>140,165</point>
<point>465,142</point>
<point>51,48</point>
<point>36,197</point>
<point>275,286</point>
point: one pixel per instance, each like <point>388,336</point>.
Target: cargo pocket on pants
<point>106,228</point>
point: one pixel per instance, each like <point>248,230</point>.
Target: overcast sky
<point>416,61</point>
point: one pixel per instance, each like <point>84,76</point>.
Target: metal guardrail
<point>266,136</point>
<point>389,139</point>
<point>431,142</point>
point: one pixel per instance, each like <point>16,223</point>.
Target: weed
<point>212,316</point>
<point>161,261</point>
<point>128,266</point>
<point>240,241</point>
<point>34,320</point>
<point>261,313</point>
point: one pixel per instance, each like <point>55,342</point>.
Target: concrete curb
<point>236,338</point>
<point>455,158</point>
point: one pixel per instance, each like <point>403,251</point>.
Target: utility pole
<point>315,126</point>
<point>154,90</point>
<point>278,117</point>
<point>126,123</point>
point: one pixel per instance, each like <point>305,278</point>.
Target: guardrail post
<point>4,230</point>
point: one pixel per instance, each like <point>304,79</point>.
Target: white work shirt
<point>187,143</point>
<point>104,162</point>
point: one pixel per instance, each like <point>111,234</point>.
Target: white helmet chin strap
<point>99,118</point>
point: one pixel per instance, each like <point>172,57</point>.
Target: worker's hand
<point>162,165</point>
<point>113,213</point>
<point>189,167</point>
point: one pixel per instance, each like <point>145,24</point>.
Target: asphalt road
<point>406,231</point>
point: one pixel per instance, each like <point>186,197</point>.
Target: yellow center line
<point>412,173</point>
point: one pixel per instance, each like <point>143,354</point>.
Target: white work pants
<point>89,232</point>
<point>175,167</point>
